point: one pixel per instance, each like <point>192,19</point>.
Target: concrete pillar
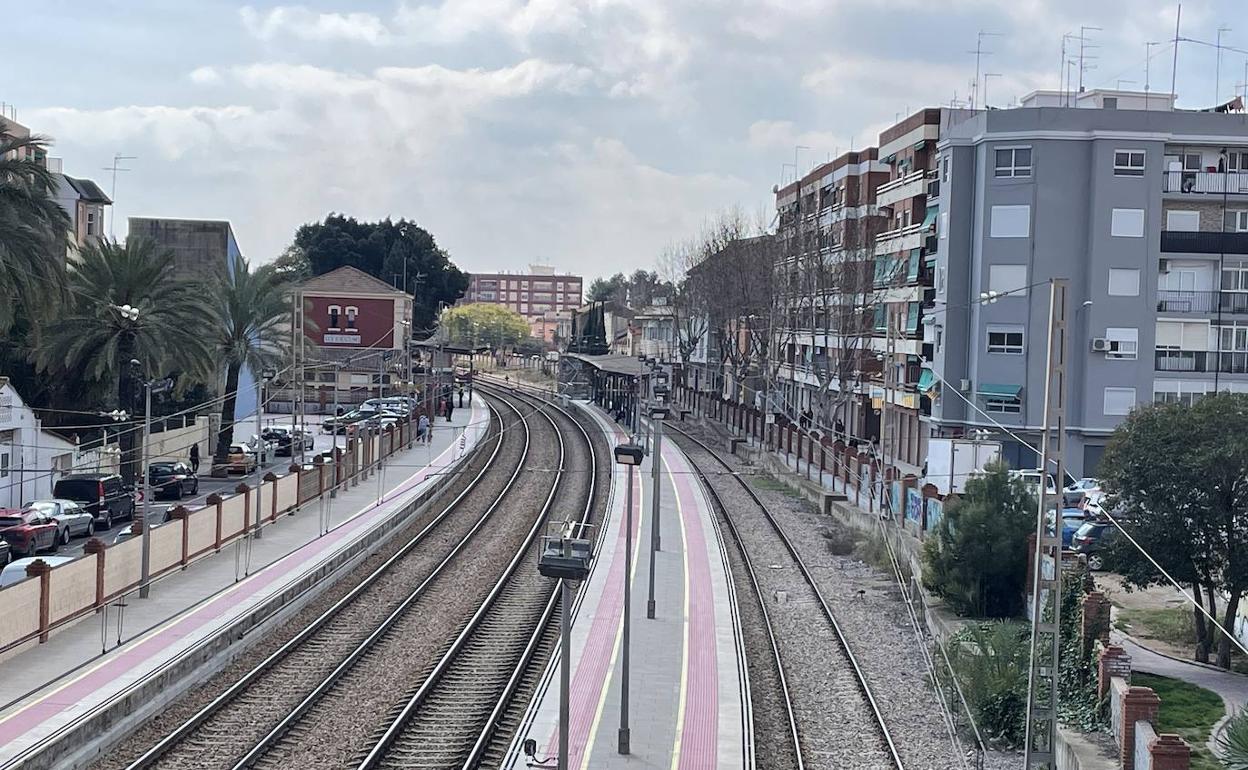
<point>40,569</point>
<point>96,547</point>
<point>180,515</point>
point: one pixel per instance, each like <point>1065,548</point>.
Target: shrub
<point>977,559</point>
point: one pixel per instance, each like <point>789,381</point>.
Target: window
<point>1119,401</point>
<point>1005,339</point>
<point>1184,392</point>
<point>1010,222</point>
<point>1237,221</point>
<point>1008,278</point>
<point>944,169</point>
<point>1127,223</point>
<point>1183,221</point>
<point>352,312</point>
<point>93,222</point>
<point>1191,161</point>
<point>1235,275</point>
<point>1110,103</point>
<point>1124,282</point>
<point>1182,335</point>
<point>1124,343</point>
<point>1003,404</point>
<point>1013,161</point>
<point>1233,338</point>
<point>4,465</point>
<point>1128,163</point>
<point>334,312</point>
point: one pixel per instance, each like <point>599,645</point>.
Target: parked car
<point>1032,480</point>
<point>15,572</point>
<point>6,553</point>
<point>1072,520</point>
<point>1093,540</point>
<point>28,532</point>
<point>285,438</point>
<point>70,517</point>
<point>1085,484</point>
<point>241,458</point>
<point>340,425</point>
<point>266,447</point>
<point>172,479</point>
<point>104,495</point>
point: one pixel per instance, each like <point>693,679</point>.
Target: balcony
<point>1173,241</point>
<point>1201,361</point>
<point>1202,301</point>
<point>1205,182</point>
<point>902,239</point>
<point>900,189</point>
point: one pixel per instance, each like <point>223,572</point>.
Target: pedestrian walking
<point>195,457</point>
<point>461,396</point>
<point>450,408</point>
<point>422,428</point>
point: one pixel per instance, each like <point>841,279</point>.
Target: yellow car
<point>240,459</point>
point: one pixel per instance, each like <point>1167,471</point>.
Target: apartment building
<point>203,249</point>
<point>531,294</point>
<point>1143,207</point>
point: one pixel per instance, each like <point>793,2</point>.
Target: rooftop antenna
<point>986,76</point>
<point>1064,71</point>
<point>112,214</point>
<point>1148,56</point>
<point>979,54</point>
<point>1084,44</point>
<point>1217,67</point>
<point>1174,66</point>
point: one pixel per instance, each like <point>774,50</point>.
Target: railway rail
<point>809,691</point>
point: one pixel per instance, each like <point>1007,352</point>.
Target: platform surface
<point>45,687</point>
<point>686,692</point>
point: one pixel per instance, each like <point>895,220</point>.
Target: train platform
<point>47,690</point>
<point>688,693</point>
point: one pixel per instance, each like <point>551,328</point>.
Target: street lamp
<point>149,387</point>
<point>658,413</point>
<point>116,415</point>
<point>630,455</point>
<point>565,555</point>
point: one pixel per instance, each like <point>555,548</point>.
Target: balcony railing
<point>1206,182</point>
<point>1201,361</point>
<point>1204,243</point>
<point>1202,301</point>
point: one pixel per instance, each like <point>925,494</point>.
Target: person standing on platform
<point>195,457</point>
<point>422,428</point>
<point>450,408</point>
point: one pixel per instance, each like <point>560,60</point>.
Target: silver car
<point>71,518</point>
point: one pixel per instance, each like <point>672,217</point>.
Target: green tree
<point>1234,742</point>
<point>637,290</point>
<point>483,323</point>
<point>33,228</point>
<point>1176,474</point>
<point>91,337</point>
<point>292,264</point>
<point>977,560</point>
<point>384,250</point>
<point>247,325</point>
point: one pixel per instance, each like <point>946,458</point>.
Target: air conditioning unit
<point>1163,265</point>
<point>1100,345</point>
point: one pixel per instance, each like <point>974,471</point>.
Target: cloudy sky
<point>587,134</point>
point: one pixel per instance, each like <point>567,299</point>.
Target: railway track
<point>821,706</point>
<point>267,710</point>
<point>465,710</point>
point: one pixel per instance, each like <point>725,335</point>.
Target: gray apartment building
<point>1143,207</point>
<point>203,249</point>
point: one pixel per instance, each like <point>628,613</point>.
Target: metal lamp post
<point>145,569</point>
<point>630,455</point>
<point>657,415</point>
<point>565,555</point>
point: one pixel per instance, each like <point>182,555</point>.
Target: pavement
<point>685,679</point>
<point>47,687</point>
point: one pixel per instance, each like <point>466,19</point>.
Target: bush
<point>977,559</point>
<point>990,662</point>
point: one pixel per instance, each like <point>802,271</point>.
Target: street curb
<point>1139,643</point>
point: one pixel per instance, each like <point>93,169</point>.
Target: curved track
<point>481,681</point>
<point>807,698</point>
<point>276,712</point>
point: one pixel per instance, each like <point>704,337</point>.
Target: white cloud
<point>205,76</point>
<point>305,24</point>
<point>783,135</point>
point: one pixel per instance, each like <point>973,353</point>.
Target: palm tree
<point>33,227</point>
<point>248,312</point>
<point>126,303</point>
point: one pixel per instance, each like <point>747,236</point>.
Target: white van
<point>15,572</point>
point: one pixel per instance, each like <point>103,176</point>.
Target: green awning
<point>927,378</point>
<point>929,218</point>
<point>919,144</point>
<point>998,391</point>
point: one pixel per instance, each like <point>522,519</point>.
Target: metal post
<point>565,669</point>
<point>333,490</point>
<point>146,576</point>
<point>1046,591</point>
<point>295,374</point>
<point>628,601</point>
<point>259,457</point>
<point>655,460</point>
